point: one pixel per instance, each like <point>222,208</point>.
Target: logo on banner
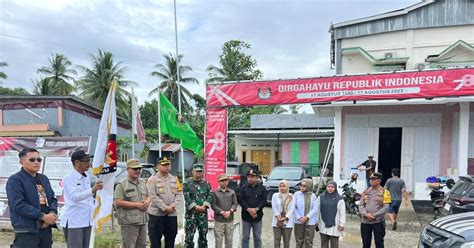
<point>264,92</point>
<point>467,80</point>
<point>218,142</point>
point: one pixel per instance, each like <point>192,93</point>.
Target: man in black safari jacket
<point>253,198</point>
<point>32,204</point>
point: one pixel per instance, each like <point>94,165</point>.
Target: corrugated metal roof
<point>167,147</point>
<point>426,14</point>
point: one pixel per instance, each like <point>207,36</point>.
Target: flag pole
<point>179,100</point>
<point>159,121</point>
<point>134,122</point>
<point>179,86</point>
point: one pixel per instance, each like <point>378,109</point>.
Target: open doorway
<point>390,151</point>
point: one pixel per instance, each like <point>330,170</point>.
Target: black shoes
<point>394,226</point>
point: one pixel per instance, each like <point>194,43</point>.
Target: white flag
<point>137,125</point>
<point>105,162</point>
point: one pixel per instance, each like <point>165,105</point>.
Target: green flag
<point>177,129</point>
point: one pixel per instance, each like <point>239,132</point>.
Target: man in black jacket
<point>253,198</point>
<point>33,206</point>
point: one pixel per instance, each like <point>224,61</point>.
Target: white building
<point>422,137</point>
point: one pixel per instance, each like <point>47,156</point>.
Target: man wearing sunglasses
<point>33,206</point>
<point>131,199</point>
<point>76,220</point>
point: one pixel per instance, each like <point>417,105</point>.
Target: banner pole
<point>159,122</point>
<point>134,123</point>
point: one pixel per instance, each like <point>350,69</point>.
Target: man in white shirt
<point>76,220</point>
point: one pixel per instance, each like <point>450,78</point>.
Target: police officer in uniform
<point>373,207</point>
<point>131,200</point>
<point>198,198</point>
<point>166,192</point>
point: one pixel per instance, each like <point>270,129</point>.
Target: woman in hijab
<point>282,207</point>
<point>306,214</point>
<point>332,216</point>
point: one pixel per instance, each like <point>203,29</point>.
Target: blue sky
<point>289,39</point>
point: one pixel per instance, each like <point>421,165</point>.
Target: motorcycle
<point>437,194</point>
<point>350,196</point>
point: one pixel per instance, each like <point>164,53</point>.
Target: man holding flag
<point>76,220</point>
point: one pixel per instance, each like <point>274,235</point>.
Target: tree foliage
<point>59,74</point>
<point>97,80</point>
<point>167,73</point>
<point>3,75</point>
<point>13,92</point>
<point>236,65</point>
<point>45,86</point>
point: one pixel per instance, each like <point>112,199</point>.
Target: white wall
<point>427,128</point>
<point>416,44</point>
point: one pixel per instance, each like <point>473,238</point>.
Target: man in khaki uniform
<point>166,192</point>
<point>131,199</point>
<point>373,207</point>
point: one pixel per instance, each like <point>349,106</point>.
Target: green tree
<point>167,73</point>
<point>95,84</point>
<point>149,114</point>
<point>45,86</point>
<point>59,74</point>
<point>294,108</point>
<point>236,64</point>
<point>13,92</point>
<point>3,75</point>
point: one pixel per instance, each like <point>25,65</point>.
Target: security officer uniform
<point>132,221</point>
<point>375,201</point>
<point>196,193</point>
<point>165,191</point>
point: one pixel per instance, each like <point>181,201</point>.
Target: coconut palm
<point>167,73</point>
<point>3,75</point>
<point>45,86</point>
<point>95,84</point>
<point>59,74</point>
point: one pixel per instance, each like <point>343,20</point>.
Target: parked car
<point>461,197</point>
<point>233,172</point>
<point>121,172</point>
<point>292,174</point>
<point>449,231</point>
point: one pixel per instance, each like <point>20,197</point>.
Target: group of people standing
<point>305,213</point>
<point>151,206</point>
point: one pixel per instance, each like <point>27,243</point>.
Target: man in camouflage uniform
<point>373,207</point>
<point>198,198</point>
<point>131,199</point>
<point>165,192</point>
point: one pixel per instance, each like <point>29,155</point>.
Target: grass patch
<point>108,240</point>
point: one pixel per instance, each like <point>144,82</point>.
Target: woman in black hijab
<point>332,216</point>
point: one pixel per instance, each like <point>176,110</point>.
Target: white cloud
<point>289,38</point>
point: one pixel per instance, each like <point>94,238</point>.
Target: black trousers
<point>42,239</point>
<point>379,233</point>
<point>159,226</point>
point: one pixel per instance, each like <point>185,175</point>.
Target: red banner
<point>216,131</point>
<point>401,85</point>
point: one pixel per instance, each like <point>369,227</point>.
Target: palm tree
<point>3,75</point>
<point>45,86</point>
<point>167,73</point>
<point>59,74</point>
<point>95,84</point>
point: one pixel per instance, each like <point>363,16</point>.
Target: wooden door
<point>262,159</point>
